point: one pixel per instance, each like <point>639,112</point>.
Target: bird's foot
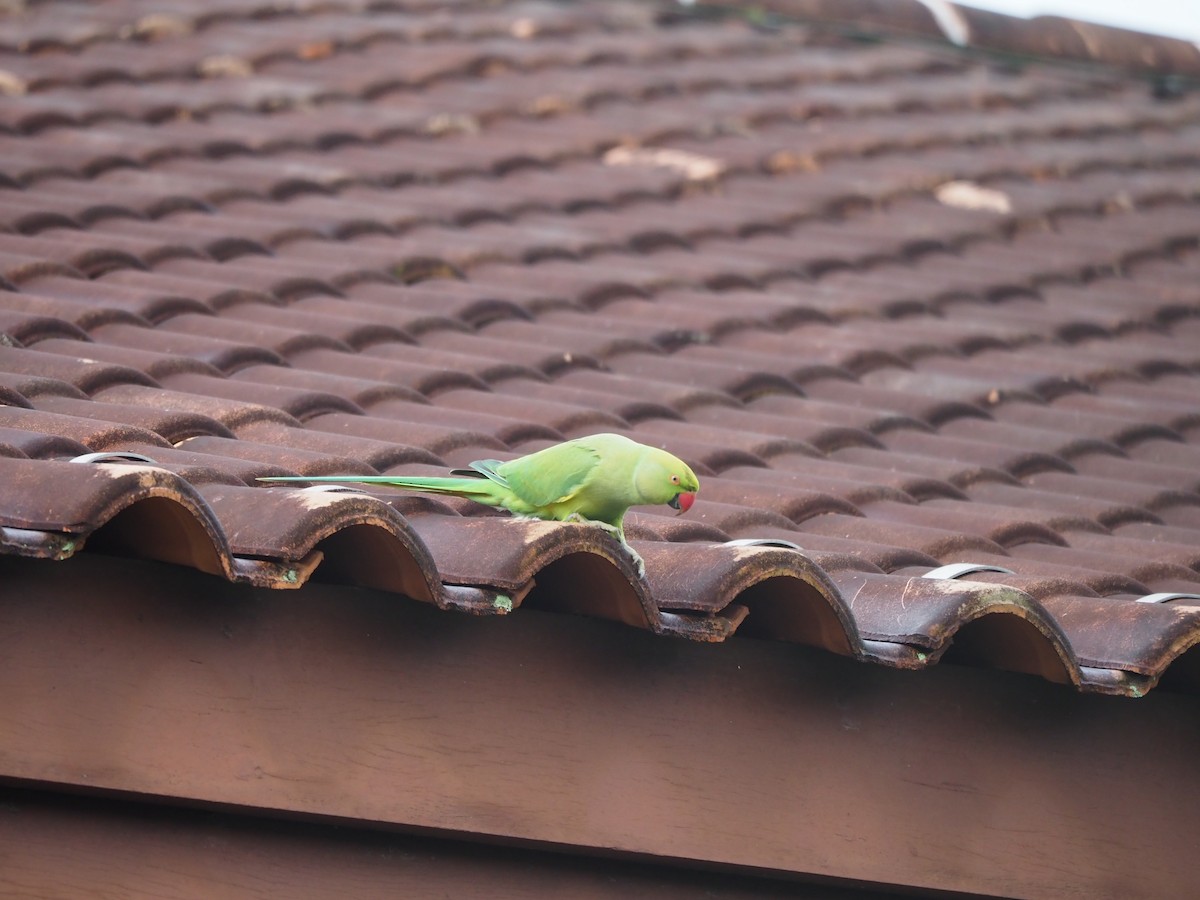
<point>636,558</point>
<point>576,517</point>
<point>639,564</point>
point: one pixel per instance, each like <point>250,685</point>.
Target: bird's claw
<point>639,564</point>
<point>611,529</point>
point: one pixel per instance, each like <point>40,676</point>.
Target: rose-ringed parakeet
<point>592,479</point>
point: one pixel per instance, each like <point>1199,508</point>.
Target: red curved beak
<point>682,501</point>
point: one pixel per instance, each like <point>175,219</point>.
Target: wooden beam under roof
<point>553,731</point>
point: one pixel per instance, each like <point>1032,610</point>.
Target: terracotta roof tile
<point>899,307</point>
<point>225,354</point>
<point>16,441</point>
<point>171,425</point>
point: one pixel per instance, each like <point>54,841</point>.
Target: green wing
<point>551,475</point>
<point>483,468</point>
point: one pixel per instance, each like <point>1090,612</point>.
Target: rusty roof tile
<point>946,376</point>
<point>279,338</point>
<point>53,508</point>
<point>19,442</point>
<point>295,402</point>
<point>24,305</point>
<point>196,469</point>
<point>1010,627</point>
<point>20,327</point>
<point>932,540</point>
<point>401,322</point>
<point>922,476</point>
<point>443,296</point>
<point>1162,552</point>
<point>202,291</point>
<point>841,424</point>
<point>1122,492</point>
<point>558,415</point>
<point>244,457</point>
<point>635,393</point>
<point>1033,438</point>
<point>774,593</point>
<point>1031,565</point>
<point>420,426</point>
<point>81,371</point>
<point>1128,427</point>
<point>963,459</point>
<point>723,377</point>
<point>748,522</point>
<point>94,433</point>
<point>812,433</point>
<point>758,445</point>
<point>855,485</point>
<point>835,554</point>
<point>232,414</point>
<point>1133,657</point>
<point>1154,531</point>
<point>365,449</point>
<point>1134,470</point>
<point>502,362</point>
<point>170,424</point>
<point>542,356</point>
<point>606,399</point>
<point>677,315</point>
<point>813,343</point>
<point>360,392</point>
<point>18,389</point>
<point>351,537</point>
<point>794,504</point>
<point>1007,526</point>
<point>1168,452</point>
<point>1173,390</point>
<point>221,354</point>
<point>929,408</point>
<point>154,364</point>
<point>1080,556</point>
<point>1088,506</point>
<point>532,561</point>
<point>409,368</point>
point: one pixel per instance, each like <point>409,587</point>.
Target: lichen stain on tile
<point>12,85</point>
<point>324,498</point>
<point>968,195</point>
<point>538,528</point>
<point>693,166</point>
<point>148,477</point>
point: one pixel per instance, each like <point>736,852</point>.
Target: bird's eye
<point>674,479</point>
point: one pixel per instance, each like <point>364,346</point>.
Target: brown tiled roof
<point>900,307</point>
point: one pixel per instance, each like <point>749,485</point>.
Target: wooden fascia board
<point>562,731</point>
<point>71,846</point>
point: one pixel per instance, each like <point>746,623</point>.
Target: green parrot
<point>592,479</point>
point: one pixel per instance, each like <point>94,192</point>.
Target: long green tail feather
<point>474,488</point>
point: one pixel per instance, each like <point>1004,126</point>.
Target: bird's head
<point>687,485</point>
<point>663,478</point>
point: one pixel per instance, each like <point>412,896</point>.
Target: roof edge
<point>1044,37</point>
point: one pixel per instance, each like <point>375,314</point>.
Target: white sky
<point>1177,18</point>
